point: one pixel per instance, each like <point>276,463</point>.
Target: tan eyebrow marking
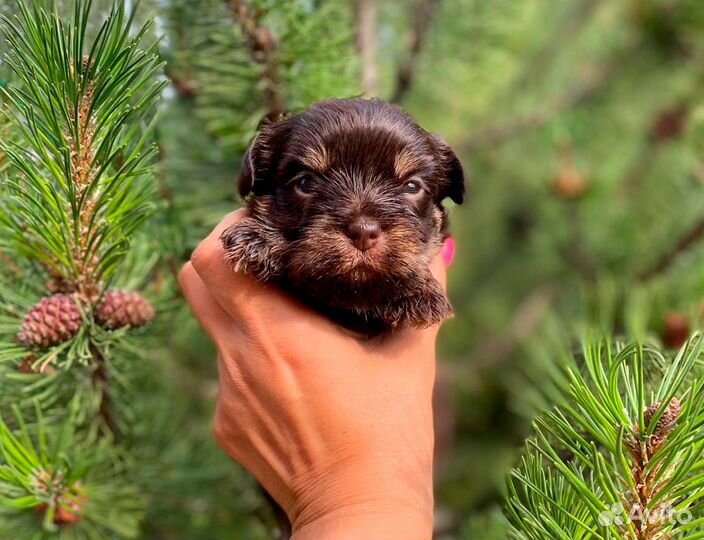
<point>407,162</point>
<point>316,159</point>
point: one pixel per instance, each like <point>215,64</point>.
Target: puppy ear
<point>259,161</point>
<point>453,182</point>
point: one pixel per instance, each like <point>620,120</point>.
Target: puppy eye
<point>412,187</point>
<point>304,184</point>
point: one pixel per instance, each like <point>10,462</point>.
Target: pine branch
<point>259,60</point>
<point>101,385</point>
<point>642,451</point>
<point>568,28</point>
<point>502,131</point>
<point>422,19</point>
<point>620,457</point>
<point>84,169</point>
<point>65,482</point>
<point>668,124</point>
<point>592,84</point>
<point>686,241</point>
<point>78,190</point>
<point>78,186</point>
<point>262,45</point>
<point>185,86</point>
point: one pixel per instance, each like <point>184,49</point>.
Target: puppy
<point>345,212</point>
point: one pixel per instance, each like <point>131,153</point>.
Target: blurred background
<point>581,129</point>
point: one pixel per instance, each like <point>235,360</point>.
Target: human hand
<point>338,430</point>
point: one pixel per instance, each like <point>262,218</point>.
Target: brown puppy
<point>345,212</point>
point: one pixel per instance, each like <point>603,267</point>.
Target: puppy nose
<point>364,233</point>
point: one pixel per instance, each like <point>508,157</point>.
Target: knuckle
<point>203,256</point>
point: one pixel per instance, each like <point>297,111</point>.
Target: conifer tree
<point>77,191</point>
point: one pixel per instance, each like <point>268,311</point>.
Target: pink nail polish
<point>448,251</point>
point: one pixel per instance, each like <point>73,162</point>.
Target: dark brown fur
<point>307,177</point>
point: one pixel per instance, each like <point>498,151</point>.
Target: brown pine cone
<point>26,366</point>
<point>676,330</point>
<point>53,320</point>
<point>569,184</point>
<point>123,308</point>
<point>69,507</point>
<point>667,421</point>
<point>669,124</point>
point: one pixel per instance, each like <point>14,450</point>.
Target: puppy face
<point>353,189</point>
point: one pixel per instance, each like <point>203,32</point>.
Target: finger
<point>212,318</point>
<point>210,250</point>
<point>230,289</point>
<point>248,301</point>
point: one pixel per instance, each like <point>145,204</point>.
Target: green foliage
<point>77,191</point>
<point>80,184</point>
<point>60,476</point>
<point>524,91</point>
<point>621,455</point>
<point>243,60</point>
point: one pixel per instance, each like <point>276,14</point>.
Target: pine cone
<point>669,124</point>
<point>676,330</point>
<point>52,321</point>
<point>66,515</point>
<point>26,366</point>
<point>569,183</point>
<point>667,421</point>
<point>69,507</point>
<point>123,308</point>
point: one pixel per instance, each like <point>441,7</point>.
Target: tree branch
<point>262,45</point>
<point>422,19</point>
<point>366,44</point>
<point>669,124</point>
<point>500,132</point>
<point>690,237</point>
<point>101,383</point>
<point>593,82</point>
<point>184,86</point>
<point>570,25</point>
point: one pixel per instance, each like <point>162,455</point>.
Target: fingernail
<point>448,251</point>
